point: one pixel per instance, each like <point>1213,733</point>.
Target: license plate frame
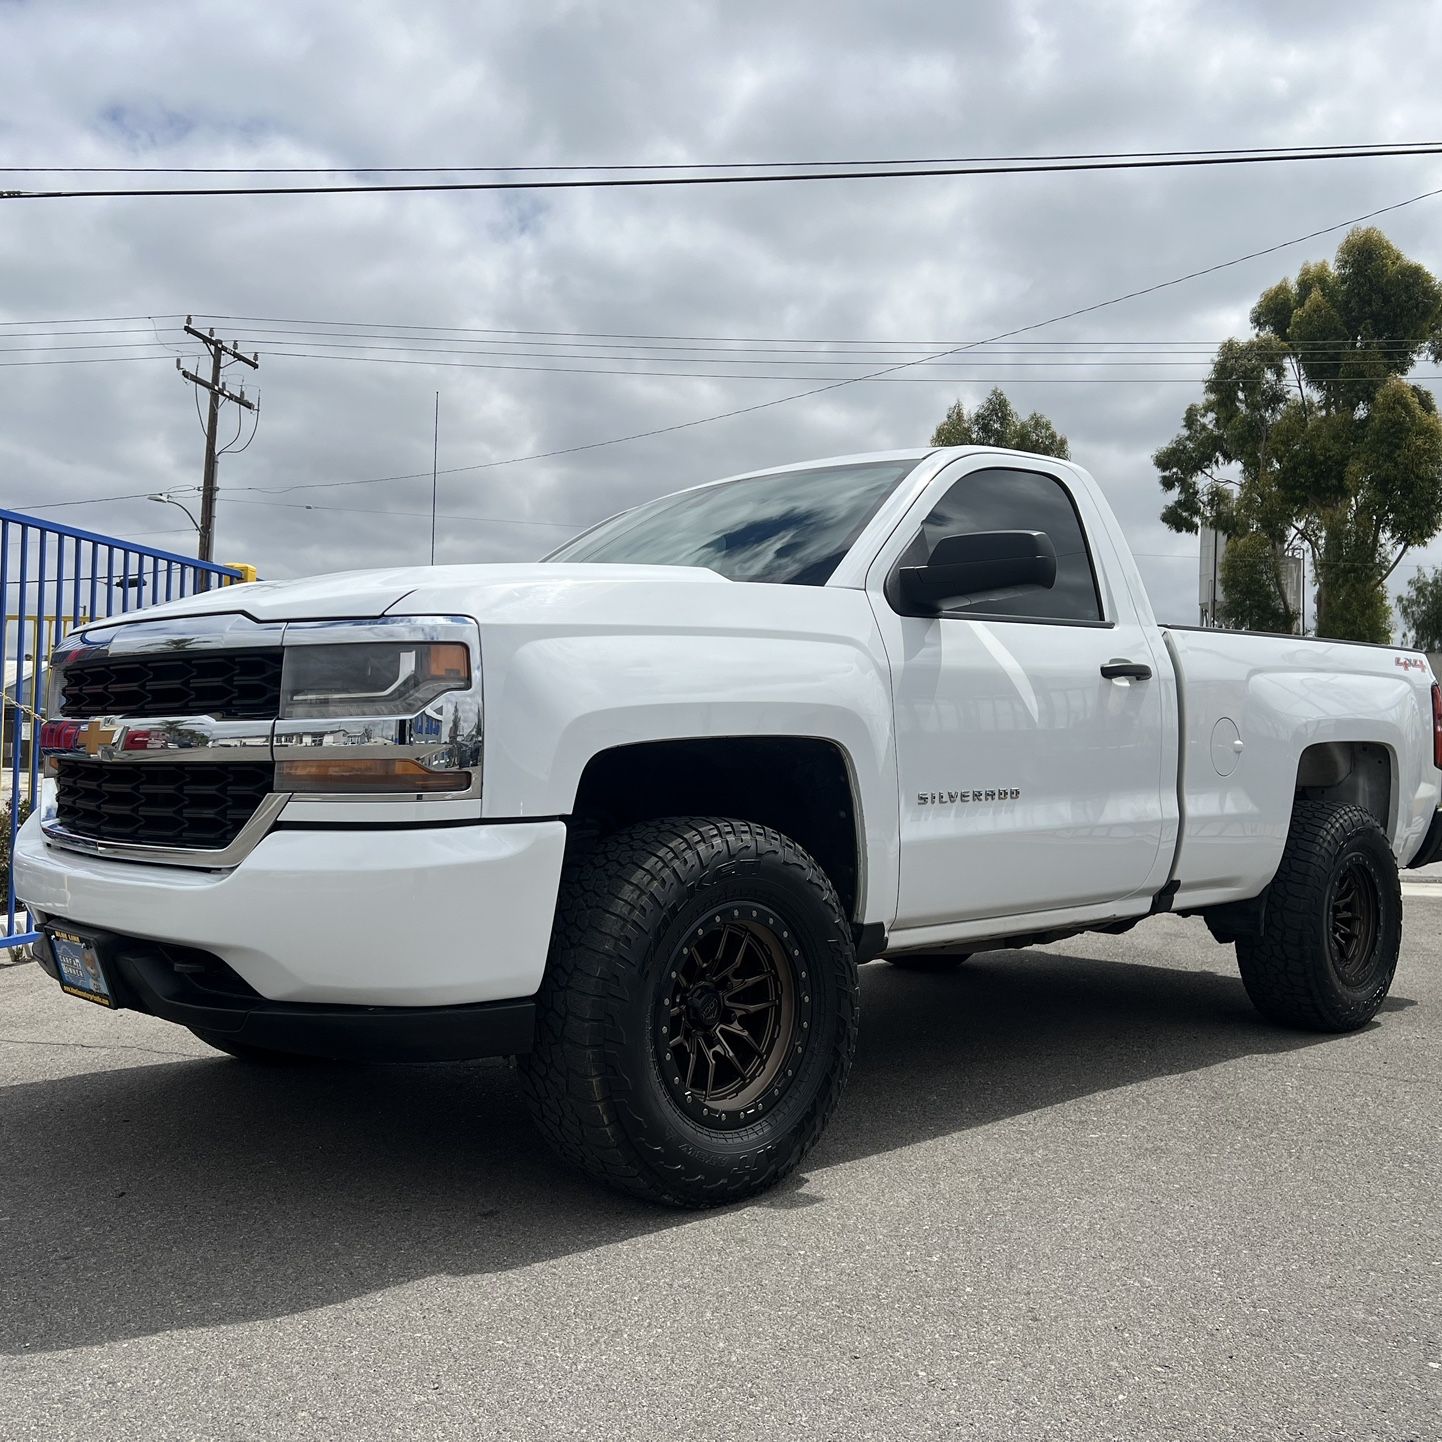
<point>79,965</point>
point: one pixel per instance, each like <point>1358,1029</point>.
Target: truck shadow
<point>198,1192</point>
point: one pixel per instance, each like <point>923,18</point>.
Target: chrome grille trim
<point>446,735</point>
<point>246,840</point>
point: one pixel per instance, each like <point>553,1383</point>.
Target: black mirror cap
<point>981,561</point>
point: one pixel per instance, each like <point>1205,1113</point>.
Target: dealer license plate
<point>77,959</point>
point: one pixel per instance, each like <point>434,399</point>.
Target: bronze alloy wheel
<point>733,1017</point>
<point>698,1015</point>
<point>1352,921</point>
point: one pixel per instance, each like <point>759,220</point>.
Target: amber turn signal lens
<point>446,661</point>
<point>356,775</point>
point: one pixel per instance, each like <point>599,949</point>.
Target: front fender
<point>555,698</point>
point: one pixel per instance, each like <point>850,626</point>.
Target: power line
<point>758,376</point>
<point>306,327</point>
<point>349,326</point>
<point>1036,359</point>
<point>713,355</point>
<point>101,500</point>
<point>835,385</point>
<point>659,166</point>
<point>987,375</point>
<point>1190,557</point>
<point>732,345</point>
<point>46,334</point>
<point>98,360</point>
<point>442,515</point>
<point>303,506</point>
<point>736,351</point>
<point>1074,353</point>
<point>717,375</point>
<point>1040,166</point>
<point>94,319</point>
<point>633,366</point>
<point>661,375</point>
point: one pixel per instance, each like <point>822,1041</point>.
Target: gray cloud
<point>545,84</point>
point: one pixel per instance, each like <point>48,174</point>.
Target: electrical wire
<point>836,380</point>
<point>442,515</point>
<point>985,374</point>
<point>580,339</point>
<point>92,319</point>
<point>699,355</point>
<point>231,449</point>
<point>1038,166</point>
<point>663,375</point>
<point>195,396</point>
<point>230,500</point>
<point>834,385</point>
<point>655,166</point>
<point>101,500</point>
<point>99,360</point>
<point>634,369</point>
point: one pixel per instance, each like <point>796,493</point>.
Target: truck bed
<point>1359,716</point>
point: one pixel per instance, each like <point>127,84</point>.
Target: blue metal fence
<point>52,579</point>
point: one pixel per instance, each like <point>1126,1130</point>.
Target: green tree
<point>1252,594</point>
<point>1421,608</point>
<point>1308,434</point>
<point>5,824</point>
<point>995,423</point>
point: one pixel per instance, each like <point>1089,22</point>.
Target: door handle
<point>1117,668</point>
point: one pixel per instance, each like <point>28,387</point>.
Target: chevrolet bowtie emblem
<point>95,736</point>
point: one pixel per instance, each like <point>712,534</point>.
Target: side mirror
<point>983,561</point>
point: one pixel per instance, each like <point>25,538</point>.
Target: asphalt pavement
<point>1075,1192</point>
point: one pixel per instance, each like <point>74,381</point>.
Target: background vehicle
<point>634,814</point>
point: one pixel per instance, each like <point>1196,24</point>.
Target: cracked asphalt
<point>1075,1192</point>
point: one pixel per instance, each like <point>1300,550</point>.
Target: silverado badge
<point>955,798</point>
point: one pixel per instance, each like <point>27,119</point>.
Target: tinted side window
<point>1004,500</point>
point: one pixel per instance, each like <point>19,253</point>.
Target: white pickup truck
<point>635,813</point>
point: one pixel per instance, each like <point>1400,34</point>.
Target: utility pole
<point>218,351</point>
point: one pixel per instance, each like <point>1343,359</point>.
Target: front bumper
<point>438,916</point>
<point>193,989</point>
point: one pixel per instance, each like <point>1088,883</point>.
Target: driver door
<point>1030,782</point>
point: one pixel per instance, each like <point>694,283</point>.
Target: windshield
<point>788,527</point>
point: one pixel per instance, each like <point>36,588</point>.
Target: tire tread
<point>610,895</point>
<point>1284,976</point>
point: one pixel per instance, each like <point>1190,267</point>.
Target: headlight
<point>370,678</point>
<point>380,717</point>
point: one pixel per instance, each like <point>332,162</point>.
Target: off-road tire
<point>258,1055</point>
<point>933,962</point>
<point>1295,972</point>
<point>630,909</point>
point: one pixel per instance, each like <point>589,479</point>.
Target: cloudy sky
<point>522,296</point>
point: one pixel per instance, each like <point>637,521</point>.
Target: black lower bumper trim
<point>146,978</point>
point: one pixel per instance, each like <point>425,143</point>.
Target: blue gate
<point>52,579</point>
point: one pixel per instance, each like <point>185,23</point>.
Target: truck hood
<point>423,590</point>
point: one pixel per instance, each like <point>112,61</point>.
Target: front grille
<point>198,806</point>
<point>243,685</point>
